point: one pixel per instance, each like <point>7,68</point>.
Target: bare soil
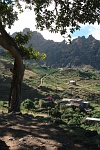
<point>25,132</point>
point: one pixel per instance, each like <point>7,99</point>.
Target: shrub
<point>36,103</point>
<point>88,74</point>
<point>28,104</point>
<point>97,115</point>
<point>45,104</point>
<point>63,108</point>
<point>55,113</point>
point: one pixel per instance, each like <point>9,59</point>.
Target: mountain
<point>82,51</point>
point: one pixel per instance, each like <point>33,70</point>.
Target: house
<point>72,82</point>
<point>74,103</point>
<point>71,101</point>
<point>89,119</point>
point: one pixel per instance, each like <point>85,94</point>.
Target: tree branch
<point>8,47</point>
<point>8,43</point>
<point>6,36</point>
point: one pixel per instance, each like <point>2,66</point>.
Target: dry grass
<point>28,74</point>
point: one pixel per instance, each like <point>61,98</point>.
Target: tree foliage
<point>27,51</point>
<point>7,13</point>
<point>54,15</point>
<point>62,15</point>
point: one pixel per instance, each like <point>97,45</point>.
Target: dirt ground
<point>25,132</point>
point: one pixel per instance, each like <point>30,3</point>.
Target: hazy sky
<point>27,20</point>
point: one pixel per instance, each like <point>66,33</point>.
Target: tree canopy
<point>54,15</point>
<point>26,50</point>
<point>58,15</point>
<point>62,15</point>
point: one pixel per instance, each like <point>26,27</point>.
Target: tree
<point>16,47</point>
<point>54,15</point>
<point>26,53</point>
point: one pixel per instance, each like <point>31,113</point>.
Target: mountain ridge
<point>82,51</point>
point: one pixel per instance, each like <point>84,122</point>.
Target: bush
<point>36,103</point>
<point>28,104</point>
<point>55,113</point>
<point>88,74</point>
<point>45,104</point>
<point>97,115</point>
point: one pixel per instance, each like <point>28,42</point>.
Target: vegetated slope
<point>30,84</point>
<point>4,78</point>
<point>55,82</point>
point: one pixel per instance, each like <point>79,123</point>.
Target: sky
<point>27,20</point>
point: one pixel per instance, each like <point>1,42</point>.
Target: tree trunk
<point>15,91</point>
<point>17,72</point>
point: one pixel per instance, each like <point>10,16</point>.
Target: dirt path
<point>24,132</point>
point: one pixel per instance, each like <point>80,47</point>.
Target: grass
<point>3,109</point>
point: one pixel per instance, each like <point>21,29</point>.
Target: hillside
<point>55,82</point>
<point>47,128</point>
